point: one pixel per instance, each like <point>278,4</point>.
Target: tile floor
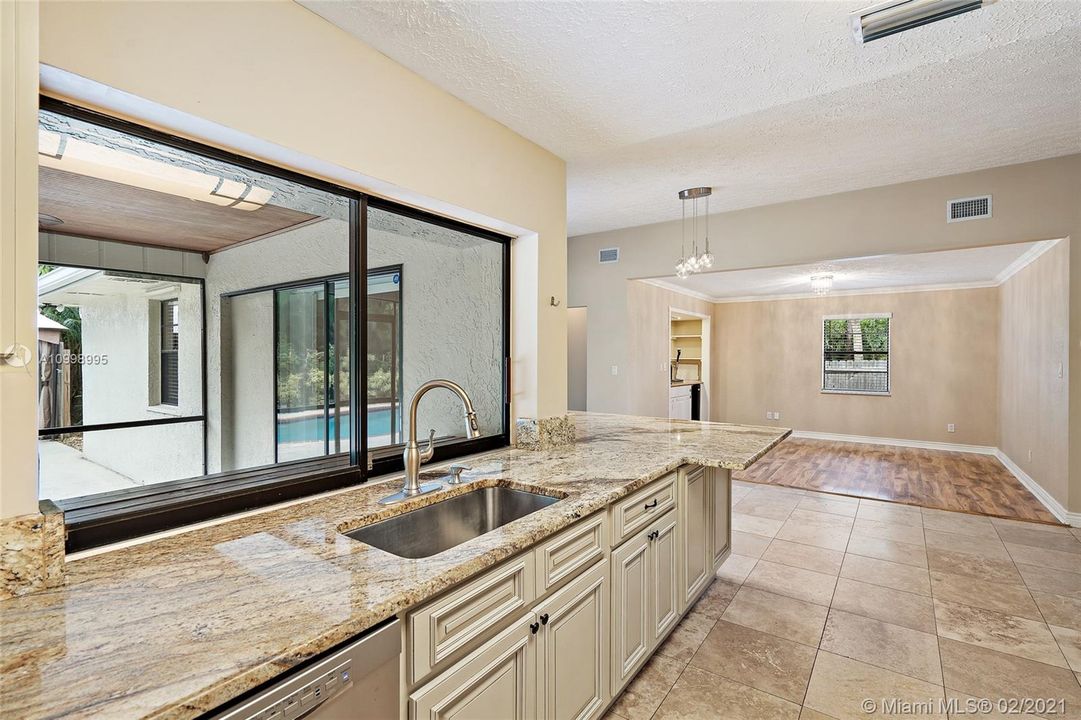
<point>827,601</point>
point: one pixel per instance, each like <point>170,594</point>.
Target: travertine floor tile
<point>881,603</point>
<point>1032,534</point>
<point>886,574</point>
<point>840,687</point>
<point>969,707</point>
<point>749,544</point>
<point>1058,582</point>
<point>736,568</point>
<point>794,582</point>
<point>766,527</point>
<point>830,504</point>
<point>821,519</point>
<point>975,566</point>
<point>809,557</point>
<point>777,615</point>
<point>909,652</point>
<point>958,523</point>
<point>763,661</point>
<point>985,673</point>
<point>893,513</point>
<point>759,505</point>
<point>807,713</point>
<point>702,695</point>
<point>1059,610</point>
<point>684,641</point>
<point>832,538</point>
<point>644,694</point>
<point>1028,525</point>
<point>889,531</point>
<point>953,542</point>
<point>1009,599</point>
<point>1045,557</point>
<point>714,600</point>
<point>1069,642</point>
<point>998,631</point>
<point>882,549</point>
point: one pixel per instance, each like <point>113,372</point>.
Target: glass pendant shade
<point>821,284</point>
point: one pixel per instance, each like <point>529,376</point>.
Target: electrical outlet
<point>951,428</point>
<point>776,415</point>
<point>615,369</point>
<point>1060,371</point>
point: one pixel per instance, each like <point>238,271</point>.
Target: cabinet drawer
<point>640,509</point>
<point>573,550</point>
<point>438,630</point>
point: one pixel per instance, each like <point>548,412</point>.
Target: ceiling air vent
<point>973,208</point>
<point>608,255</point>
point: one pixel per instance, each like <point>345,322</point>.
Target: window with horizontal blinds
<point>856,354</point>
<point>170,352</point>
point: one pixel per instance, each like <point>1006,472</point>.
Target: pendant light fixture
<point>694,262</point>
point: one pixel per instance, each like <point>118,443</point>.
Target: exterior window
<point>170,353</point>
<point>856,354</point>
<point>242,335</point>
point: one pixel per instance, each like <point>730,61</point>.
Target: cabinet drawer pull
<point>650,506</point>
<point>654,535</point>
<point>534,627</point>
<point>544,619</point>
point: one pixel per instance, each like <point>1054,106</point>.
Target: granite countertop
<point>177,626</point>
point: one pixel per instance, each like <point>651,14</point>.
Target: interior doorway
<point>689,367</point>
<point>576,358</point>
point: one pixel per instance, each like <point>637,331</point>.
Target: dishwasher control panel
<point>308,697</point>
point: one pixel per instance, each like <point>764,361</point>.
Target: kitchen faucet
<point>414,457</point>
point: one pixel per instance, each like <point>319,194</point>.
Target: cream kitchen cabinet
<point>696,568</point>
<point>551,663</point>
<point>645,595</point>
<point>719,485</point>
<point>573,649</point>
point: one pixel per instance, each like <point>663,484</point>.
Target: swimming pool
<point>311,429</point>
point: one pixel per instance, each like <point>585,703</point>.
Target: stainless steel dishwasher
<point>357,682</point>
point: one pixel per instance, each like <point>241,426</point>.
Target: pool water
<point>310,429</point>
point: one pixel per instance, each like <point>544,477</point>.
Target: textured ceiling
<point>972,267</point>
<point>766,101</point>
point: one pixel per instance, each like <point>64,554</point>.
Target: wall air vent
<point>973,208</point>
<point>608,255</point>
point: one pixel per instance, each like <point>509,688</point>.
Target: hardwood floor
<point>965,482</point>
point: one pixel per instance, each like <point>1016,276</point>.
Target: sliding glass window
<point>201,336</point>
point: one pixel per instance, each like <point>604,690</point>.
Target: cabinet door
<point>573,649</point>
<point>498,681</point>
<point>665,605</point>
<point>720,486</point>
<point>679,408</point>
<point>696,545</point>
<point>632,635</point>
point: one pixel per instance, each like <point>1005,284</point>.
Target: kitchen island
<point>177,626</point>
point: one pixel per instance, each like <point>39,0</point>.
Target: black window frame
<point>104,518</point>
<point>888,352</point>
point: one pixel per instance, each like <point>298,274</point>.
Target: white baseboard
<point>896,442</point>
<point>1049,502</point>
<point>1053,506</point>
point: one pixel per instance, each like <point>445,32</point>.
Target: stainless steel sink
<point>437,527</point>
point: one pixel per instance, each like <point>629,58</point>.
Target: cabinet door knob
<point>544,619</point>
<point>534,627</point>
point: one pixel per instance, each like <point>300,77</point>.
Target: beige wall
<point>944,366</point>
<point>18,254</point>
<point>276,71</point>
<point>649,329</point>
<point>1034,372</point>
<point>1032,201</point>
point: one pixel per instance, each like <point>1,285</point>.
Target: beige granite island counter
<point>177,626</point>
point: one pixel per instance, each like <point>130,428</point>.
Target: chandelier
<point>693,262</point>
